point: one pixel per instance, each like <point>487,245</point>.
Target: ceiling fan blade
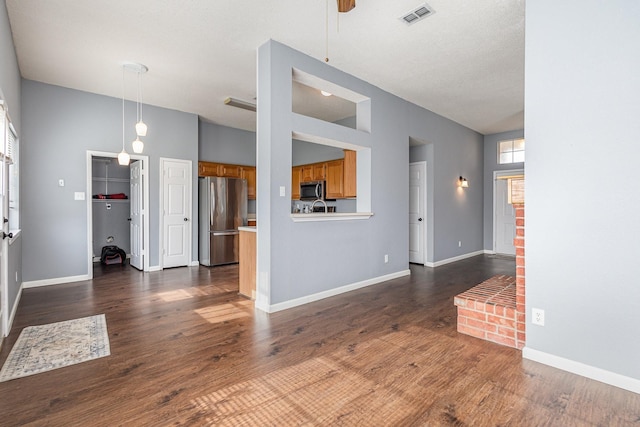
<point>346,5</point>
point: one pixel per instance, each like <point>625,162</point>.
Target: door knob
<point>128,219</point>
<point>5,235</point>
<point>186,219</point>
<point>419,219</point>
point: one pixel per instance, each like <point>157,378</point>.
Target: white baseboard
<point>454,259</point>
<point>194,264</point>
<point>598,374</point>
<point>155,268</point>
<point>55,281</point>
<point>331,292</point>
<point>13,312</point>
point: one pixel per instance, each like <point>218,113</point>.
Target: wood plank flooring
<point>186,350</point>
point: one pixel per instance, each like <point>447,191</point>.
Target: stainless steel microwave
<point>312,190</point>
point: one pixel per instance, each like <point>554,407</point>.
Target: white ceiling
<point>465,62</point>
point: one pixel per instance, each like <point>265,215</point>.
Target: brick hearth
<point>494,310</point>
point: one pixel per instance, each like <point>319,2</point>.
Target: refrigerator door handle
<point>225,233</point>
<point>213,204</point>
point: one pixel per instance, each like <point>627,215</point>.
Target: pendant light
<point>123,157</point>
<point>141,127</point>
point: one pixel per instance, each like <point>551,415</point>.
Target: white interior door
<point>4,208</point>
<point>505,220</point>
<point>417,212</point>
<point>136,212</point>
<point>176,212</point>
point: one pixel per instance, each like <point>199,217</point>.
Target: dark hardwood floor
<point>187,350</point>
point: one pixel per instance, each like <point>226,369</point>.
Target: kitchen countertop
<point>249,229</point>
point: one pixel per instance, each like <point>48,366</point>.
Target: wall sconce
<point>462,182</point>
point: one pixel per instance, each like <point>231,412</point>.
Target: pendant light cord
<point>123,108</point>
<point>326,32</point>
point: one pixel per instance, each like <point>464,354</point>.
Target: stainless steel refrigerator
<point>223,208</point>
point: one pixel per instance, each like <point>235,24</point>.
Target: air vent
<point>417,14</point>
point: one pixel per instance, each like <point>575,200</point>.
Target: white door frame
<point>161,211</point>
<point>145,224</point>
<point>496,175</point>
<point>425,227</point>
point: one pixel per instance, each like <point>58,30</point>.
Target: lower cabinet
<point>247,264</point>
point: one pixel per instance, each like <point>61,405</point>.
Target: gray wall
<point>582,130</point>
<point>491,165</point>
<point>10,92</point>
<point>353,251</point>
<point>217,143</point>
<point>60,125</point>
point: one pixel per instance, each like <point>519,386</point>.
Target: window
<point>511,151</point>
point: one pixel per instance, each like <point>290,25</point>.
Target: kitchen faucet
<point>321,201</point>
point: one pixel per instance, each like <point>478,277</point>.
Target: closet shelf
<point>111,200</point>
<point>95,178</point>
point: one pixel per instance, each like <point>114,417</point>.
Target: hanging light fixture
<point>123,157</point>
<point>141,127</point>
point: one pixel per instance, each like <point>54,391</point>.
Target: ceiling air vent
<point>417,14</point>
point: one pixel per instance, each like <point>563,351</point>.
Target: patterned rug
<point>56,345</point>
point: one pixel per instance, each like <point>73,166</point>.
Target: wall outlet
<point>537,316</point>
<point>459,243</point>
<point>386,258</point>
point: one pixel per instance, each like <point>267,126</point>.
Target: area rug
<point>46,347</point>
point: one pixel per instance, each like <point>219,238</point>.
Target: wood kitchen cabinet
<point>349,173</point>
<point>319,171</point>
<point>335,179</point>
<point>306,173</point>
<point>296,174</point>
<point>339,175</point>
<point>207,169</point>
<point>231,171</point>
<point>249,173</point>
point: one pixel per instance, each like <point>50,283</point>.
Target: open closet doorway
<point>117,208</point>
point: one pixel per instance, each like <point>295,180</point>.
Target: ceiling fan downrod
<point>346,5</point>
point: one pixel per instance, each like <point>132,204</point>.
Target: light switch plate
<point>61,183</point>
<point>282,192</point>
<point>78,195</point>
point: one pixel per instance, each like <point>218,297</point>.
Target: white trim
<point>12,316</point>
<point>496,175</point>
<point>55,281</point>
<point>330,216</point>
<point>329,293</point>
<point>598,374</point>
<point>144,171</point>
<point>454,259</point>
<point>155,268</point>
<point>194,264</point>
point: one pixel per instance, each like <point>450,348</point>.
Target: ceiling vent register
<point>417,14</point>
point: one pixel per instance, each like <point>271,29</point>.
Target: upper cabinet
<point>296,174</point>
<point>249,173</point>
<point>339,175</point>
<point>319,171</point>
<point>335,179</point>
<point>231,171</point>
<point>349,173</point>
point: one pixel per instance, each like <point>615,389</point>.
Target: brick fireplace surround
<point>494,310</point>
